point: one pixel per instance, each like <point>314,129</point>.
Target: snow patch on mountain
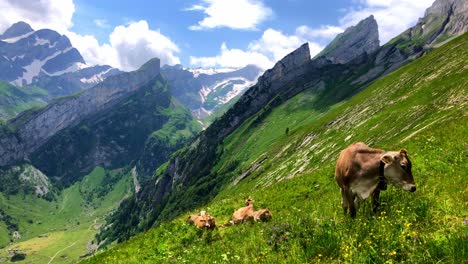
<point>33,69</point>
<point>210,71</point>
<point>96,78</point>
<point>16,39</point>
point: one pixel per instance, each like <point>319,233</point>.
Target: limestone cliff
<point>32,129</point>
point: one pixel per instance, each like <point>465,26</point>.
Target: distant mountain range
<point>205,91</point>
<point>47,60</point>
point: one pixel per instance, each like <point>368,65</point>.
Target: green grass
<point>48,227</point>
<point>420,107</point>
<point>14,100</point>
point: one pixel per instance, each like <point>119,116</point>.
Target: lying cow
<point>262,215</point>
<point>244,214</point>
<point>362,171</point>
<point>202,219</point>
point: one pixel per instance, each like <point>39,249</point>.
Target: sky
<point>205,33</point>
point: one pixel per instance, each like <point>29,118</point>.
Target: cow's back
<point>348,162</point>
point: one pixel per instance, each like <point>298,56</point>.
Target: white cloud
<point>128,47</point>
<point>53,14</point>
<point>232,58</point>
<point>137,43</point>
<point>264,52</point>
<point>102,23</point>
<point>325,32</point>
<point>239,14</point>
<point>393,16</point>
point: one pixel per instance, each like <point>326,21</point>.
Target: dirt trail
<point>53,257</point>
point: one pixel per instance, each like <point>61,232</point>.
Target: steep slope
<point>192,176</point>
<point>286,162</point>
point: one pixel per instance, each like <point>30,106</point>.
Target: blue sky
<point>206,33</point>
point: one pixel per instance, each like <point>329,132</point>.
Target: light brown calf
<point>262,215</point>
<point>244,214</point>
<point>202,219</point>
<point>362,171</point>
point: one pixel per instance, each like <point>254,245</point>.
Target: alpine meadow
<point>148,147</point>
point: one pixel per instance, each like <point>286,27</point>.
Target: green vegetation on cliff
<point>14,100</point>
<point>287,158</point>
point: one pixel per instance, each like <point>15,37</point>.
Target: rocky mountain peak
<point>288,67</point>
<point>354,41</point>
<point>448,17</point>
<point>16,30</point>
<point>151,67</point>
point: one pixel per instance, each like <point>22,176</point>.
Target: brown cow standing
<point>362,171</point>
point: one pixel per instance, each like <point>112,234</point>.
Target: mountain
<point>420,107</point>
<point>194,175</point>
<point>207,90</point>
<point>25,54</point>
<point>46,59</point>
<point>106,125</point>
<point>356,40</point>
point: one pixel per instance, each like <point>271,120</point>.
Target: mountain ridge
<point>33,129</point>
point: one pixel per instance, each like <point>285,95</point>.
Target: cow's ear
<point>403,152</point>
<point>387,159</point>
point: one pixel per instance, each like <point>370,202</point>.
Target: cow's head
<point>209,221</point>
<point>397,170</point>
<point>249,201</point>
<point>264,215</point>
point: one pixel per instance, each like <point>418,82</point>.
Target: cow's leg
<point>348,198</point>
<point>344,202</point>
<point>375,200</point>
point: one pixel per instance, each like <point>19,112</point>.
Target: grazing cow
<point>202,219</point>
<point>362,171</point>
<point>244,214</point>
<point>262,215</point>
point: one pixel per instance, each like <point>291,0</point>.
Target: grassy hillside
<point>287,163</point>
<point>14,100</point>
<point>65,224</point>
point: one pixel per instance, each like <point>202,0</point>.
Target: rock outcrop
<point>443,21</point>
<point>452,13</point>
<point>17,29</point>
<point>33,129</point>
<point>355,41</point>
